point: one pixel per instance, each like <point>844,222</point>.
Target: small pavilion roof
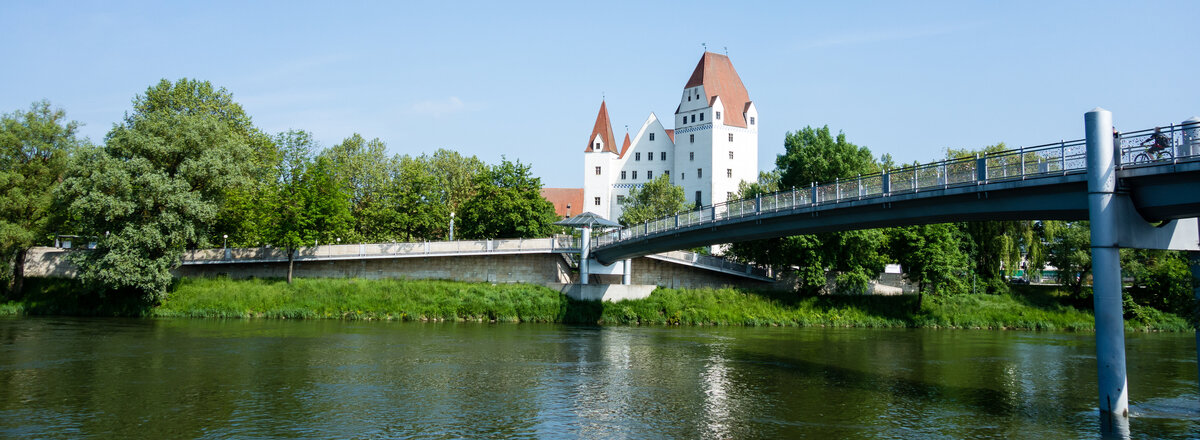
<point>587,219</point>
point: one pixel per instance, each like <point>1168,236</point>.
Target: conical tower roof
<point>603,128</point>
<point>715,72</point>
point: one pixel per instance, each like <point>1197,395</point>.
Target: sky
<point>525,80</point>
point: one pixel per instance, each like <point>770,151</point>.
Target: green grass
<point>1028,307</point>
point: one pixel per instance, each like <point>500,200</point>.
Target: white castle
<point>713,147</point>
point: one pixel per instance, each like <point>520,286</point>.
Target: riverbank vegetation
<point>1027,307</point>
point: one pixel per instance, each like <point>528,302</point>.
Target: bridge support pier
<point>584,248</point>
<point>1106,271</point>
<point>627,277</point>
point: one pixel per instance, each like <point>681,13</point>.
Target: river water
<point>144,378</point>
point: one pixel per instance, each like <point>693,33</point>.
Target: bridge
<point>1043,182</point>
<point>1131,198</point>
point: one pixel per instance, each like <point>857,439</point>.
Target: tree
<point>931,256</point>
<point>1070,251</point>
<point>157,185</point>
<point>508,204</point>
<point>35,146</point>
<point>814,156</point>
<point>362,168</point>
<point>656,199</point>
<point>307,203</point>
<point>420,203</point>
<point>848,259</point>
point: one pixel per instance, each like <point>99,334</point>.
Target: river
<point>195,378</point>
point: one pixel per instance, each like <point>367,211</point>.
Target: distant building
<point>568,202</point>
<point>713,147</point>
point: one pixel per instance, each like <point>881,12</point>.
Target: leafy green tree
<point>456,175</point>
<point>1161,279</point>
<point>308,205</point>
<point>35,146</point>
<point>656,199</point>
<point>421,209</point>
<point>508,204</point>
<point>362,167</point>
<point>1070,252</point>
<point>814,155</point>
<point>931,256</point>
<point>157,185</point>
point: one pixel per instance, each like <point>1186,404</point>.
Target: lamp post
<point>224,241</point>
<point>451,225</point>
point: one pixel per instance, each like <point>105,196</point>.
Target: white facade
<point>709,153</point>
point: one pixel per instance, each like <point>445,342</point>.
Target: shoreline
<point>1038,308</point>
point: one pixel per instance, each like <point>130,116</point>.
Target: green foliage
<point>158,184</point>
<point>931,256</point>
<point>812,155</point>
<point>1161,279</point>
<point>35,147</point>
<point>307,203</point>
<point>362,168</point>
<point>656,199</point>
<point>1070,251</point>
<point>507,204</point>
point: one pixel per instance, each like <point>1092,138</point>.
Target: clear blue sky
<point>525,80</point>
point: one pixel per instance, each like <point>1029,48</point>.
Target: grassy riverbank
<point>1033,307</point>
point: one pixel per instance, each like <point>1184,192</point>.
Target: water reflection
<point>72,378</point>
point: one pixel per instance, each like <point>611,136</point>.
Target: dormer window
<point>597,147</point>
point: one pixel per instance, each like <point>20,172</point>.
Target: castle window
<point>693,118</point>
<point>650,175</point>
<point>597,201</point>
<point>751,120</point>
<point>698,198</point>
<point>652,137</point>
<point>729,173</point>
<point>662,156</point>
<point>650,156</point>
<point>699,173</point>
<point>702,117</point>
<point>622,175</point>
<point>682,176</point>
<point>597,147</point>
<point>730,137</point>
<point>692,155</point>
<point>728,196</point>
<point>718,115</point>
<point>689,97</point>
<point>692,138</point>
<point>637,156</point>
<point>635,175</point>
<point>620,200</point>
<point>597,171</point>
<point>730,155</point>
<point>667,173</point>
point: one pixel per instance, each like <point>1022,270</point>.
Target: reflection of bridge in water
<point>1131,200</point>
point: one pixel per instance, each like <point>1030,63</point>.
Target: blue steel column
<point>1106,268</point>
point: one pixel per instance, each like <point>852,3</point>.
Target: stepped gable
<point>715,72</point>
<point>603,128</point>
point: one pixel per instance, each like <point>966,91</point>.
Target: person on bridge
<point>1160,140</point>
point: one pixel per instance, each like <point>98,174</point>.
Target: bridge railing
<point>1057,158</point>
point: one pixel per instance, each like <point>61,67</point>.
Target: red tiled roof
<point>671,134</point>
<point>603,128</point>
<point>561,197</point>
<point>625,145</point>
<point>715,72</point>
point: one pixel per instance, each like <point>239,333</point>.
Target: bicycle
<point>1160,149</point>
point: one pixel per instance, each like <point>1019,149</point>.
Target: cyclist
<point>1160,140</point>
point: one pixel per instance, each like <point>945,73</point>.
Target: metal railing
<point>715,263</point>
<point>1054,159</point>
<point>558,243</point>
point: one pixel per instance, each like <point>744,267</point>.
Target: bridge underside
<point>1161,192</point>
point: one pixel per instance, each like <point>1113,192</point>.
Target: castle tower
<point>716,133</point>
<point>598,158</point>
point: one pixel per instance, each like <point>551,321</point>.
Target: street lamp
<point>451,225</point>
<point>224,241</point>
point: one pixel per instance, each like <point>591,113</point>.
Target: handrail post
<point>1021,151</point>
<point>1062,155</point>
<point>758,204</point>
<point>813,190</point>
<point>981,171</point>
<point>885,183</point>
<point>837,189</point>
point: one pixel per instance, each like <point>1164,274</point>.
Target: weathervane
<point>705,46</point>
<point>726,50</point>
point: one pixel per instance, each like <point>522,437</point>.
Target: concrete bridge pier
<point>1106,270</point>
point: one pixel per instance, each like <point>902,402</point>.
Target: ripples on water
<point>113,378</point>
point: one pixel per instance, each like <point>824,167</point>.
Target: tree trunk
<point>18,274</point>
<point>291,261</point>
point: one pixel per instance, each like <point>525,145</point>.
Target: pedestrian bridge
<point>1043,182</point>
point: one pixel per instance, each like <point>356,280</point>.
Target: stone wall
<point>517,268</point>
